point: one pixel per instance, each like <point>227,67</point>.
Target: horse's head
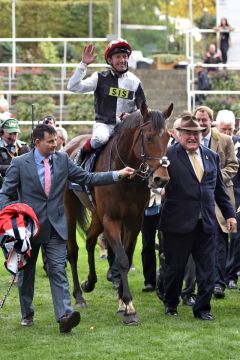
<point>154,138</point>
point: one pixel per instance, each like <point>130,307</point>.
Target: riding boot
<point>84,151</point>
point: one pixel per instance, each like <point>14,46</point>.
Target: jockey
<point>117,91</point>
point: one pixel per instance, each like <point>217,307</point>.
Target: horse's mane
<point>135,119</point>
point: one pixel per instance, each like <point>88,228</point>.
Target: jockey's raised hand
<point>89,55</point>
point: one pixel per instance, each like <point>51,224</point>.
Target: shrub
<point>81,107</point>
<point>224,80</point>
<point>30,81</point>
<point>169,58</point>
<point>43,105</point>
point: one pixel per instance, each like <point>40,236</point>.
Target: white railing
<point>60,93</point>
<point>63,66</point>
<point>191,91</point>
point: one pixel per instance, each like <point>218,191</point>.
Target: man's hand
<point>89,55</point>
<point>127,172</point>
<point>231,224</point>
<point>123,116</point>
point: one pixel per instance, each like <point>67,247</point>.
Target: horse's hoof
<point>120,313</point>
<point>81,303</point>
<point>130,320</point>
<point>87,286</point>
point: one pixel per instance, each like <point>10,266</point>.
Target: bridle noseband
<point>144,170</point>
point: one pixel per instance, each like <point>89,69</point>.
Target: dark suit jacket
<point>22,176</point>
<point>186,198</point>
<point>236,179</point>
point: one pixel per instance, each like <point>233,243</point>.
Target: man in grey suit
<point>27,176</point>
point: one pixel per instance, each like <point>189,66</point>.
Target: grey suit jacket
<point>22,177</point>
<point>223,145</point>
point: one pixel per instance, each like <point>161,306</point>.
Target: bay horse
<point>140,141</point>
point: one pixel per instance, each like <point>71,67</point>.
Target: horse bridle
<point>144,170</point>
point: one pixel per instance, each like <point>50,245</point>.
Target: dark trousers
<point>190,278</point>
<point>233,259</point>
<point>55,251</point>
<point>221,257</point>
<point>149,229</point>
<point>224,51</point>
<point>177,248</point>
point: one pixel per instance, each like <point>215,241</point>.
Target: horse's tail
<point>82,218</point>
<point>75,211</point>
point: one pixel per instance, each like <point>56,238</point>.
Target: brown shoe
<point>67,322</point>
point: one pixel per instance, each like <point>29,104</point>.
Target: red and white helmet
<point>117,46</point>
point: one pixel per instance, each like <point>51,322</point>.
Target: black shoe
<point>218,292</point>
<point>67,322</point>
<point>109,275</point>
<point>171,311</point>
<point>232,285</point>
<point>204,315</point>
<point>148,288</point>
<point>189,300</point>
<point>27,321</point>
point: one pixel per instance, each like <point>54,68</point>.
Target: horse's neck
<point>123,152</point>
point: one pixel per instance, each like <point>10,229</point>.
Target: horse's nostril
<point>159,181</point>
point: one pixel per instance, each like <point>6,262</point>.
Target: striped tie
<point>47,176</point>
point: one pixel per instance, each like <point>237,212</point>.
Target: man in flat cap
<point>10,146</point>
<point>188,216</point>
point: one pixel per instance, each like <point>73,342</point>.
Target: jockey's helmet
<point>117,46</point>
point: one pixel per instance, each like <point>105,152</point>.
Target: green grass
<point>101,334</point>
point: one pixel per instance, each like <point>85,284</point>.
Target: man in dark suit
<point>225,123</point>
<point>223,145</point>
<point>40,178</point>
<point>188,216</point>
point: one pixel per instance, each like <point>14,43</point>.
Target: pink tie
<point>47,176</point>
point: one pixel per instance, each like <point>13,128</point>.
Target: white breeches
<point>100,134</point>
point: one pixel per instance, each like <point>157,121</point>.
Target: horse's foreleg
<point>113,234</point>
<point>129,237</point>
<point>92,234</point>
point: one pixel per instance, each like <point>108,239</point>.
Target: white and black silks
<point>18,226</point>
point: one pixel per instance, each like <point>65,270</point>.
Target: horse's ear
<point>144,110</point>
<point>168,111</point>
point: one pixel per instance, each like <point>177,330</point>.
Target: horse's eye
<point>149,138</point>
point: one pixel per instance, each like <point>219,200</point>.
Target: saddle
<point>87,162</point>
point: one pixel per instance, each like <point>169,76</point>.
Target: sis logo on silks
<point>123,93</point>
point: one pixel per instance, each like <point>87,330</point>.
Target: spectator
<point>223,145</point>
<point>174,131</point>
<point>62,137</point>
<point>225,122</point>
<point>224,40</point>
<point>203,83</point>
<point>10,145</point>
<point>49,120</point>
<point>149,228</point>
<point>4,110</point>
<point>212,57</point>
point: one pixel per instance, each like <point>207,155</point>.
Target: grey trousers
<point>55,250</point>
